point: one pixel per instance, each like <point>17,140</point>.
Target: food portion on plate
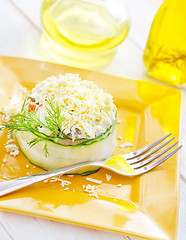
<point>64,120</point>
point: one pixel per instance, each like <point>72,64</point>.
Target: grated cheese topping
<point>12,149</point>
<point>8,111</point>
<point>119,185</point>
<point>120,138</point>
<point>14,152</point>
<point>127,144</point>
<point>91,190</point>
<point>87,110</point>
<point>63,183</point>
<point>24,89</point>
<point>108,177</point>
<point>9,141</point>
<point>93,180</point>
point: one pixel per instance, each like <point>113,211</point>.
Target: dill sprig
<point>29,121</point>
<point>174,57</point>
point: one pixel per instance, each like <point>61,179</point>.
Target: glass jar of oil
<point>165,52</point>
<point>83,33</point>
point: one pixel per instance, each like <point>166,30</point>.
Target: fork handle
<point>18,183</point>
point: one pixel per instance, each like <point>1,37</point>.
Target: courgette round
<point>60,155</point>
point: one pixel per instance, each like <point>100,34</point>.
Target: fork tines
<point>147,155</point>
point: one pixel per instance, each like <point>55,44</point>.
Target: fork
<point>134,164</point>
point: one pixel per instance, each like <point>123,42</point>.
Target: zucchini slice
<point>60,155</point>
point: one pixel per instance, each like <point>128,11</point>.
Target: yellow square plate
<point>144,206</point>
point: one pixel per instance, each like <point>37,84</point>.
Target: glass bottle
<point>165,52</point>
<point>83,33</point>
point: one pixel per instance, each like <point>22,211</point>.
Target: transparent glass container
<point>165,52</point>
<point>83,33</point>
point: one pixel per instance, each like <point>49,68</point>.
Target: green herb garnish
<point>28,121</point>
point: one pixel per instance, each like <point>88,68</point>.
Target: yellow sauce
<point>120,164</point>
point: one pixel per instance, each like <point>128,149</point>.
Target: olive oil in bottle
<point>165,52</point>
<point>83,33</point>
